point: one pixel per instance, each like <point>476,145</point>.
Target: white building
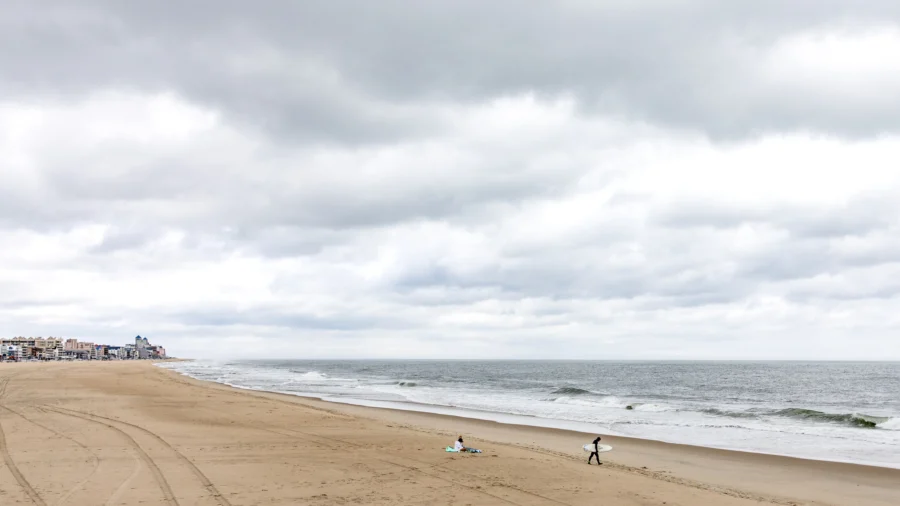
<point>35,347</point>
<point>10,352</point>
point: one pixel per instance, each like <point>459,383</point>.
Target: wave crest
<point>571,391</point>
<point>729,414</point>
<point>853,419</point>
<point>314,375</point>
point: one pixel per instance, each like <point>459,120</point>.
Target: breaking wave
<point>852,419</point>
<point>572,391</point>
<point>730,414</point>
<point>310,375</point>
<point>848,419</point>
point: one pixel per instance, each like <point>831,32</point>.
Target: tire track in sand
<point>114,498</point>
<point>207,483</point>
<point>94,457</point>
<point>10,463</point>
<point>154,469</point>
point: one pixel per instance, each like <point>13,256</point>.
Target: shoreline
<point>136,433</point>
<point>512,419</point>
<point>730,472</point>
<point>573,430</point>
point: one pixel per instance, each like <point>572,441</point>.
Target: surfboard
<point>602,448</point>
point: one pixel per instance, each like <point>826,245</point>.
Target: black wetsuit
<point>596,452</point>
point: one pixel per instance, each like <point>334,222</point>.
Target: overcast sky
<point>460,179</point>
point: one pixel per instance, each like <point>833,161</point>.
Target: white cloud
<point>851,64</point>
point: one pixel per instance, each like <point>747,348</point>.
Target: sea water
<point>848,412</point>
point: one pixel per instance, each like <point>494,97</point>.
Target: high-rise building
<point>142,348</point>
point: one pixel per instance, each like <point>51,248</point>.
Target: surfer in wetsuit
<point>596,452</point>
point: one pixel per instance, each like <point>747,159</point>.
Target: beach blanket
<point>454,450</point>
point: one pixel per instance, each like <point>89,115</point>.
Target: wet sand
<point>130,433</point>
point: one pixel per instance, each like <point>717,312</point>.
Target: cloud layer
<point>637,180</point>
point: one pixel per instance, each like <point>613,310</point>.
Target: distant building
<point>35,347</point>
<point>112,353</point>
<point>142,348</point>
<point>10,352</point>
<point>75,344</point>
<point>146,351</point>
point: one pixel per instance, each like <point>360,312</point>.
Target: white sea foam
<point>607,402</point>
<point>656,408</point>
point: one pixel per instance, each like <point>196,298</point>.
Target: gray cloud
<point>294,321</point>
<point>356,72</point>
<point>862,215</point>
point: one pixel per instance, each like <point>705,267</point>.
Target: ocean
<point>846,412</point>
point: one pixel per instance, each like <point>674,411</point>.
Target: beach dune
<point>130,433</point>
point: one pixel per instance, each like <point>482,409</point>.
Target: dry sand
<point>131,433</point>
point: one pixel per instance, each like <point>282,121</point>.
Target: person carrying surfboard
<point>596,452</point>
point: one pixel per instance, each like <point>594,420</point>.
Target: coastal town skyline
<point>16,349</point>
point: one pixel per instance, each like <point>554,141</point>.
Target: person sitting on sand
<point>460,447</point>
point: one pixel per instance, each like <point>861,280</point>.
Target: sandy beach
<point>131,433</point>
